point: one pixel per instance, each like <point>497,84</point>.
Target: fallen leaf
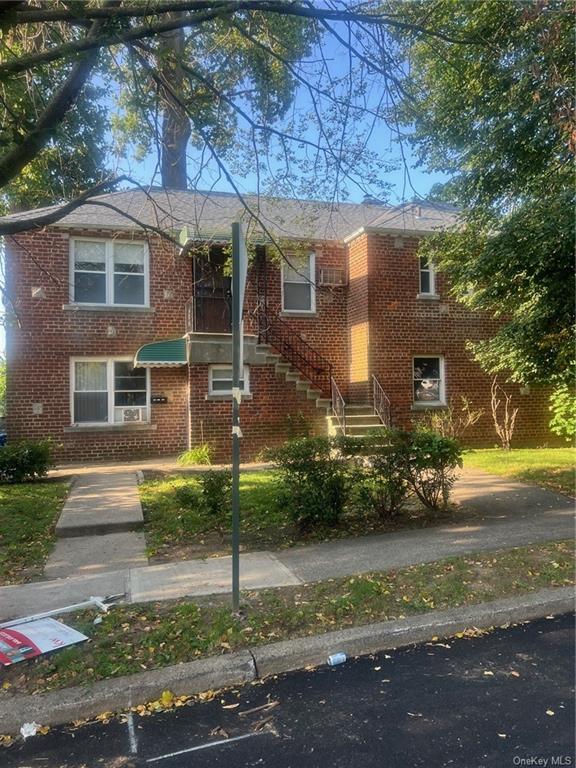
<point>514,673</point>
<point>550,712</point>
<point>230,706</point>
<point>488,673</point>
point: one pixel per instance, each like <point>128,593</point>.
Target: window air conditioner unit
<point>131,414</point>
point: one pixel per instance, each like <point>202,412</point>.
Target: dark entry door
<point>212,293</point>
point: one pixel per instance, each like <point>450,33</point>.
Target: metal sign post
<point>239,271</point>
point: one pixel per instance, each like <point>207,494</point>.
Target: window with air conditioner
<point>109,391</point>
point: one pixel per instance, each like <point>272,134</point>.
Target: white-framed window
<point>220,380</point>
<point>429,379</point>
<point>108,391</point>
<point>109,272</point>
<point>427,277</point>
<point>298,278</point>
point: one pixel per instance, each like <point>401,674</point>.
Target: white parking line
<point>132,733</point>
<point>204,746</point>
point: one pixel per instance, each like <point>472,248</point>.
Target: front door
<point>212,292</point>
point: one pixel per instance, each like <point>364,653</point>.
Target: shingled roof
<point>208,215</point>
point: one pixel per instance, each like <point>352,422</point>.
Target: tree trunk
<point>175,121</point>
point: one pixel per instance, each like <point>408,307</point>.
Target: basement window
<point>298,290</point>
<point>429,380</point>
<point>109,272</point>
<point>220,380</point>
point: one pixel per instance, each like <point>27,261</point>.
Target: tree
<point>242,63</point>
<point>498,117</point>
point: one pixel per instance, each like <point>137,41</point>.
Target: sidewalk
<point>510,514</point>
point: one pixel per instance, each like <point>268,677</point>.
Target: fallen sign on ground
<point>34,638</point>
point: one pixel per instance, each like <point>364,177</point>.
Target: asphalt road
<point>459,706</point>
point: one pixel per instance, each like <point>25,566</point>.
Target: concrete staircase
<point>360,420</point>
<point>284,368</point>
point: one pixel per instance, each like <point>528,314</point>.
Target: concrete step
<point>358,430</point>
<point>313,393</point>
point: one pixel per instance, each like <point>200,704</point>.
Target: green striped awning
<point>161,353</point>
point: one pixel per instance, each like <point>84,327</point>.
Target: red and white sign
<point>25,641</point>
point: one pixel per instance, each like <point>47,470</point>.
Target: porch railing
<point>272,330</point>
<point>208,314</point>
<point>381,403</point>
<point>338,405</point>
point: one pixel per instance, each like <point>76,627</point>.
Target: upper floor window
<point>427,277</point>
<point>109,391</point>
<point>109,272</point>
<point>298,277</point>
<point>428,374</point>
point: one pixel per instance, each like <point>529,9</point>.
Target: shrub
<point>563,408</point>
<point>314,480</point>
<point>430,461</point>
<point>215,489</point>
<point>385,486</point>
<point>200,454</point>
<point>451,421</point>
<point>24,460</point>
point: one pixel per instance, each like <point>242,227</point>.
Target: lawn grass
<point>28,515</point>
<point>139,637</point>
<point>177,527</point>
<point>549,467</point>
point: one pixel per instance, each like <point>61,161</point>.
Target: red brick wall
<point>325,330</point>
<point>374,325</point>
<point>402,326</point>
<point>44,337</point>
<point>266,418</point>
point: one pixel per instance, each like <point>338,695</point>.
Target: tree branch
<point>11,226</point>
<point>15,159</point>
<point>218,9</point>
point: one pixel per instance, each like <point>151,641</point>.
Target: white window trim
<point>110,390</point>
<point>432,272</point>
<point>227,392</point>
<point>109,256</point>
<point>425,403</point>
<point>312,283</point>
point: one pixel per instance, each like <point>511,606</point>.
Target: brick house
<point>119,345</point>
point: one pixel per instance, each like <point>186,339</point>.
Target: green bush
<point>314,480</point>
<point>24,460</point>
<point>200,454</point>
<point>430,466</point>
<point>383,485</point>
<point>215,490</point>
<point>563,408</point>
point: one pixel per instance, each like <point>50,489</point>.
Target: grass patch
<point>177,527</point>
<point>28,515</point>
<point>138,637</point>
<point>549,467</point>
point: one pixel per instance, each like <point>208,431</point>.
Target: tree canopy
<point>499,118</point>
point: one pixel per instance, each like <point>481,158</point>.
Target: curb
<point>64,705</point>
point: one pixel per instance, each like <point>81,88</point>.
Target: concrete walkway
<point>99,528</point>
<point>508,514</point>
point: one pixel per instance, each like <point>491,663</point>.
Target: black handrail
<point>310,363</point>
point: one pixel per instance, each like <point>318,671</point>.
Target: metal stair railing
<point>296,351</point>
<point>338,405</point>
<point>381,402</point>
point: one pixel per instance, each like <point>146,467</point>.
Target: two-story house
<point>119,343</point>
